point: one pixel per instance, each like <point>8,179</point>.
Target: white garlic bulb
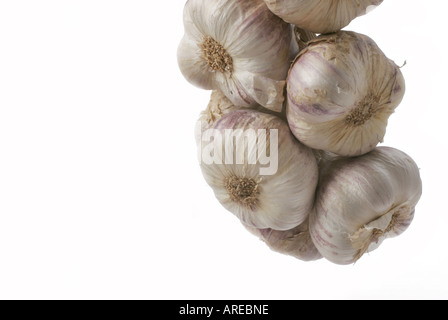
<point>341,90</point>
<point>321,16</point>
<point>239,47</point>
<point>363,200</point>
<point>258,170</point>
<point>295,242</point>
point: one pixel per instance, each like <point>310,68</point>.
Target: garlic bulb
<point>341,90</point>
<point>258,170</point>
<point>321,16</point>
<point>363,200</point>
<point>239,47</point>
<point>295,242</point>
<point>219,105</point>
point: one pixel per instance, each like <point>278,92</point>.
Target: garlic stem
<point>295,242</point>
<point>303,36</point>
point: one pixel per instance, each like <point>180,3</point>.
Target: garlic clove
<point>295,242</point>
<point>225,48</point>
<point>321,16</point>
<point>362,201</point>
<point>341,90</point>
<point>258,170</point>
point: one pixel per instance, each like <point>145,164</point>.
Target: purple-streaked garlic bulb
<point>295,242</point>
<point>321,16</point>
<point>361,201</point>
<point>238,47</point>
<point>341,90</point>
<point>258,170</point>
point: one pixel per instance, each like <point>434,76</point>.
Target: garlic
<point>219,105</point>
<point>321,16</point>
<point>299,41</point>
<point>295,242</point>
<point>341,90</point>
<point>258,170</point>
<point>302,37</point>
<point>239,47</point>
<point>363,200</point>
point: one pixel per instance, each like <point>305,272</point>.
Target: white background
<point>101,196</point>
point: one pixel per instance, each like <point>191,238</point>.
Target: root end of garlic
<point>364,111</point>
<point>216,56</point>
<point>244,191</point>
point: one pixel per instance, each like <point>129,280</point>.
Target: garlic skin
<point>321,16</point>
<point>279,200</point>
<point>295,242</point>
<point>362,201</point>
<point>299,40</point>
<point>239,47</point>
<point>302,37</point>
<point>219,105</point>
<point>341,90</point>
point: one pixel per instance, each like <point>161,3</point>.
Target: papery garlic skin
<point>302,37</point>
<point>295,242</point>
<point>321,16</point>
<point>299,40</point>
<point>363,200</point>
<point>341,91</point>
<point>219,105</point>
<point>281,200</point>
<point>239,47</point>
